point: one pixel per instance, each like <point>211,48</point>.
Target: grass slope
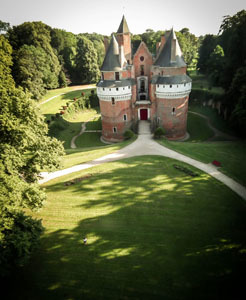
<point>55,105</point>
<point>153,233</point>
<point>198,129</point>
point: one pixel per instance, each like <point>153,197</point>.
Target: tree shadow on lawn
<point>153,233</point>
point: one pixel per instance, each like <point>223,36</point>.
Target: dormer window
<point>117,76</point>
<point>117,89</point>
<point>171,86</point>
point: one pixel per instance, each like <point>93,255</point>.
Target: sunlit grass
<point>153,233</point>
<point>55,105</point>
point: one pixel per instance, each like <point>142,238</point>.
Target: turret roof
<point>123,28</point>
<point>111,61</point>
<point>165,58</point>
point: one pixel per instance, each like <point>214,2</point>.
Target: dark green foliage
<point>36,66</point>
<point>150,37</point>
<point>208,43</point>
<point>19,236</point>
<point>189,45</point>
<point>222,58</point>
<point>4,26</point>
<point>159,132</point>
<point>25,148</point>
<point>94,101</point>
<point>205,95</point>
<point>98,42</point>
<point>237,94</point>
<point>62,79</point>
<point>128,134</point>
<point>86,67</point>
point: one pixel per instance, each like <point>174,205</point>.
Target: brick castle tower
<point>143,87</point>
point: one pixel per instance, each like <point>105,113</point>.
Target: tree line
<point>222,58</point>
<point>47,58</point>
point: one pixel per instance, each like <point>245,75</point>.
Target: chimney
<point>173,50</point>
<point>106,43</point>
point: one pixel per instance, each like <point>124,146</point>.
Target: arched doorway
<point>144,114</point>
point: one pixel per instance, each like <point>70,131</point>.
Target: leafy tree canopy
<point>25,148</point>
<point>86,67</point>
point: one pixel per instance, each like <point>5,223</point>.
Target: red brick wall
<point>109,75</point>
<point>112,116</point>
<point>168,71</point>
<point>147,62</point>
<point>174,124</point>
<point>125,40</point>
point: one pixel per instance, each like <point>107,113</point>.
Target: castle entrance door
<point>144,114</point>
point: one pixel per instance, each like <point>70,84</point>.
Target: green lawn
<point>78,156</point>
<point>153,233</point>
<point>230,154</point>
<point>198,128</point>
<point>216,120</point>
<point>55,105</point>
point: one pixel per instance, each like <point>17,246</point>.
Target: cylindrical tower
<point>172,88</point>
<point>114,91</point>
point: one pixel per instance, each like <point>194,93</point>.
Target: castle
<point>143,87</point>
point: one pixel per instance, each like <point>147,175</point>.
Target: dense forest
<point>35,58</point>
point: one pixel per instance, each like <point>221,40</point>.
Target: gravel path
<point>145,145</point>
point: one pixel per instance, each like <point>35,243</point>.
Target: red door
<point>143,114</point>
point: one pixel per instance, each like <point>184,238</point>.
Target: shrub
<point>159,132</point>
<point>128,134</point>
<point>52,118</point>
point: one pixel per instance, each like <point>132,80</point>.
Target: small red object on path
<point>216,163</point>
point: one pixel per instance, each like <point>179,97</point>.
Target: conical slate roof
<point>171,55</point>
<point>123,28</point>
<point>111,61</point>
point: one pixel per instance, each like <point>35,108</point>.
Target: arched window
<point>113,101</point>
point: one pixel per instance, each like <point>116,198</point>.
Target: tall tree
<point>25,148</point>
<point>86,67</point>
<point>31,42</point>
<point>215,67</point>
<point>207,46</point>
<point>189,45</point>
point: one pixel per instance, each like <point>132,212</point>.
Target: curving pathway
<point>145,145</point>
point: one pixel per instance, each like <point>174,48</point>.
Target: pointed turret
<point>123,28</point>
<point>170,55</point>
<point>112,60</point>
